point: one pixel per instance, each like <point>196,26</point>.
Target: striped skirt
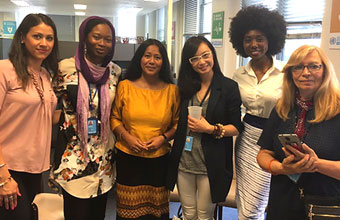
<point>252,183</point>
<point>141,192</point>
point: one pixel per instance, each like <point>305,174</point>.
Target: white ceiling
<point>107,8</point>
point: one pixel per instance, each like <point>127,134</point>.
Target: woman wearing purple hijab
<point>85,87</point>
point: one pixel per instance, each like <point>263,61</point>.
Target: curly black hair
<point>256,17</point>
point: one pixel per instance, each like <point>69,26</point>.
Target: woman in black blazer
<point>201,158</point>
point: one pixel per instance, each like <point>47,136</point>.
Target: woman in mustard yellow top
<point>144,118</point>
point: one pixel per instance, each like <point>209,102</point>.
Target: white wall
<point>334,55</point>
<point>226,54</point>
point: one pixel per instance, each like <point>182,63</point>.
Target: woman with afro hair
<point>258,33</point>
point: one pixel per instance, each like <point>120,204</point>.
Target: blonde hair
<point>327,96</point>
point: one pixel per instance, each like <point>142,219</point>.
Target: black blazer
<point>224,106</point>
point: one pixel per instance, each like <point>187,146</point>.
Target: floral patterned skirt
<point>141,192</point>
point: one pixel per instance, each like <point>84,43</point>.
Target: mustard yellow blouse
<point>145,113</point>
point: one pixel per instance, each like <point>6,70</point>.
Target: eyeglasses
<point>312,68</point>
<point>196,59</point>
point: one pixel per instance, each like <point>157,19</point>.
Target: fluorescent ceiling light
<point>20,3</point>
<point>132,10</point>
<point>128,12</point>
<point>80,13</point>
<point>151,0</point>
<point>80,7</point>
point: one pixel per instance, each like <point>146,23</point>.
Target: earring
<point>22,42</point>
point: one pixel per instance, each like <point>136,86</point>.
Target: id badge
<point>92,126</point>
<point>188,143</point>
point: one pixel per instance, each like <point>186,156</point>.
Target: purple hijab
<point>98,75</point>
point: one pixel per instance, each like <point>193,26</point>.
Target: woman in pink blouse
<point>27,103</point>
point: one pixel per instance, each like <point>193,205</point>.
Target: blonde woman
<point>309,107</point>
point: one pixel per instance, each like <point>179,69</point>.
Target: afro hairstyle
<point>257,17</point>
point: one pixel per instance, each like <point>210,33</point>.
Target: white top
<point>260,98</point>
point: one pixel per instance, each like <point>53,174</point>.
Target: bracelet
<point>6,181</point>
<point>2,165</point>
<point>223,131</point>
<point>215,131</point>
<point>269,166</point>
<point>165,138</point>
<point>220,131</point>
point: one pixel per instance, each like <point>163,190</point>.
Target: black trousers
<point>29,185</point>
<point>84,209</point>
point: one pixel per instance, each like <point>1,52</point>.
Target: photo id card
<point>188,143</point>
<point>92,126</point>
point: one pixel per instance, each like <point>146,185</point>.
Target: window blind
<point>271,4</point>
<point>294,11</point>
<point>190,17</point>
<point>205,16</point>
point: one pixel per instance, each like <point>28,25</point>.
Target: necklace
<point>34,75</point>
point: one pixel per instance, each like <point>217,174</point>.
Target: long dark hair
<point>134,70</point>
<point>189,82</point>
<point>18,54</point>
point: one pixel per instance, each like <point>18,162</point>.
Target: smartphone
<point>292,140</point>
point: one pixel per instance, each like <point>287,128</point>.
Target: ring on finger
<point>10,197</point>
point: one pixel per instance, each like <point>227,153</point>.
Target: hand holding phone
<point>291,140</point>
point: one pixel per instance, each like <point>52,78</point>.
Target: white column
<point>226,54</point>
<point>169,35</point>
